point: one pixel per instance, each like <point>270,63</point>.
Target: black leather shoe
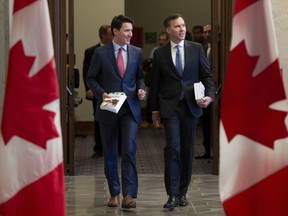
<point>183,201</point>
<point>203,156</point>
<point>172,202</point>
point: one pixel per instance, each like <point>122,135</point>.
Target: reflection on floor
<point>87,191</point>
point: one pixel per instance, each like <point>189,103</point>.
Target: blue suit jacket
<point>167,85</point>
<point>104,76</point>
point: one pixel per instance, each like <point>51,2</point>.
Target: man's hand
<point>105,96</point>
<point>156,119</point>
<point>205,102</point>
<point>89,95</point>
<point>141,94</point>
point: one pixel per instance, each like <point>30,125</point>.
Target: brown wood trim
<point>219,65</point>
<point>215,69</point>
<point>71,109</point>
<point>58,24</point>
<point>226,22</point>
<point>83,128</point>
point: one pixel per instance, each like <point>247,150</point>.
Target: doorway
<point>63,25</point>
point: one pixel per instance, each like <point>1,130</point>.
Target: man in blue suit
<point>176,67</point>
<point>105,35</point>
<point>105,75</point>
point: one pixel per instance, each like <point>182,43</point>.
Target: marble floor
<point>87,191</point>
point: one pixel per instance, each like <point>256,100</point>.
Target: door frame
<point>59,10</point>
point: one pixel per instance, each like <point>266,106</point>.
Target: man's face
<point>197,34</point>
<point>163,40</point>
<point>207,33</point>
<point>177,30</point>
<point>124,34</point>
<point>107,38</point>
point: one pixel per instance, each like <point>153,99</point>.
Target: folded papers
<point>199,91</point>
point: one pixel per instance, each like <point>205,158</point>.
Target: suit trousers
<point>97,137</point>
<point>180,132</point>
<point>206,128</point>
<point>126,126</point>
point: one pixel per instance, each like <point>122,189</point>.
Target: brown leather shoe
<point>128,202</point>
<point>113,202</point>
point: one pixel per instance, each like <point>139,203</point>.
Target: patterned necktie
<point>120,62</point>
<point>178,61</point>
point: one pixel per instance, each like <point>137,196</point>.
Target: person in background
<point>176,67</point>
<point>105,35</point>
<point>163,39</point>
<point>208,38</point>
<point>117,67</point>
<point>198,34</point>
<point>188,36</point>
<point>207,112</point>
<point>147,121</point>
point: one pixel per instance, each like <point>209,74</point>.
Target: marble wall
<point>4,46</point>
<point>280,16</point>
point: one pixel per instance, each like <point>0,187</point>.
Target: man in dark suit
<point>173,101</point>
<point>105,35</point>
<point>198,35</point>
<point>108,74</point>
<point>207,112</point>
<point>206,117</point>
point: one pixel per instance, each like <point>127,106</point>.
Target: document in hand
<point>114,103</point>
<point>199,91</point>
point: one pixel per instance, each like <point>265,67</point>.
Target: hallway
<point>87,191</point>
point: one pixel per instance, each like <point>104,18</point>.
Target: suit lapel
<point>111,56</point>
<point>169,57</point>
<point>130,54</point>
<point>187,54</point>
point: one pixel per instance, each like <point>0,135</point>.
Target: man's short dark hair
<point>103,30</point>
<point>117,22</point>
<point>198,27</point>
<point>165,34</point>
<point>171,17</point>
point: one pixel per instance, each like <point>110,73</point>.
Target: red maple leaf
<point>246,99</point>
<point>241,5</point>
<point>20,4</point>
<point>23,113</point>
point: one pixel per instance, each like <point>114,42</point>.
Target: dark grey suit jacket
<point>104,76</point>
<point>167,85</point>
<point>86,62</point>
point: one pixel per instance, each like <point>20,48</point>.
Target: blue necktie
<point>179,67</point>
<point>178,61</point>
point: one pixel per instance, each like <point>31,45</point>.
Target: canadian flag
<point>31,157</point>
<point>253,127</point>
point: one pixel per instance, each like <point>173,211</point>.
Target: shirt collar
<point>116,46</point>
<point>181,44</point>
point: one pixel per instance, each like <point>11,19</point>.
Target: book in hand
<point>199,91</point>
<point>114,103</point>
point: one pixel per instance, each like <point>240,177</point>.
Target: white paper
<point>199,91</point>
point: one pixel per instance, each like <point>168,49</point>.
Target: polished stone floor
<point>87,192</point>
<point>88,195</point>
